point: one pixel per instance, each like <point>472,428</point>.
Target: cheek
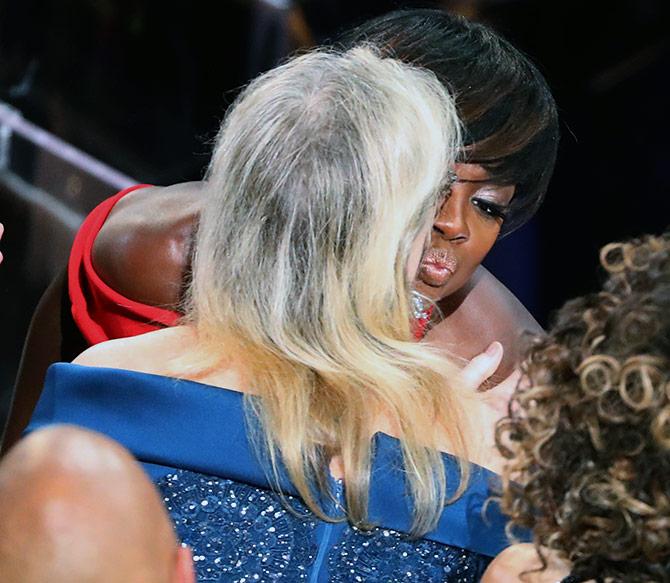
<point>482,239</point>
<point>416,253</point>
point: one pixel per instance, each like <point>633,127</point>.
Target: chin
<point>439,292</point>
<point>435,293</point>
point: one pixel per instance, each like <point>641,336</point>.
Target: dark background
<point>142,85</point>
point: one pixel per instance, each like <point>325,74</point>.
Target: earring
<point>420,310</point>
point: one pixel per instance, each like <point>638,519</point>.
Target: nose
<point>451,223</point>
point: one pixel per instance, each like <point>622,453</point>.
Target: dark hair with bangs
<point>509,114</point>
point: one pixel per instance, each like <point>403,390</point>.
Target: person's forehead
<point>467,171</point>
<point>474,172</point>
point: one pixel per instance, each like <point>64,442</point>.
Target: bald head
<point>76,507</point>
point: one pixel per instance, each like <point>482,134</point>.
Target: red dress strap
<point>100,312</point>
<point>421,323</point>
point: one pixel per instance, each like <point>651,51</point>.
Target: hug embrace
<point>303,350</point>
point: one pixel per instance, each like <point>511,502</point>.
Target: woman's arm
<point>143,250</point>
<point>42,348</point>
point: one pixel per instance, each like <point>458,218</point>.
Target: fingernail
<point>494,348</point>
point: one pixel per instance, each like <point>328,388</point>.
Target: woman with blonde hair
<point>291,420</point>
<point>133,254</point>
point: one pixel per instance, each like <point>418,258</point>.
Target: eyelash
<point>490,210</point>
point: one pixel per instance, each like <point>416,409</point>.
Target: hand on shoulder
<point>483,312</point>
<point>484,408</point>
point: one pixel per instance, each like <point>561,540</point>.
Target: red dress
<point>100,312</point>
<point>421,323</point>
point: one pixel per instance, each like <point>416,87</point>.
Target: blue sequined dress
<point>192,441</point>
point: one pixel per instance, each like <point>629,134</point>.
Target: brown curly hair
<point>587,436</point>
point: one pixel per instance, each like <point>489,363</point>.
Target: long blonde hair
<point>324,173</point>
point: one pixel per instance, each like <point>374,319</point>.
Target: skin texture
<point>137,240</point>
<point>476,308</point>
<point>144,255</point>
<point>154,352</point>
<point>464,231</point>
<point>75,507</point>
<point>481,312</point>
<point>520,563</point>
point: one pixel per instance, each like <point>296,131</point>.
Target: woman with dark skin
<point>511,138</point>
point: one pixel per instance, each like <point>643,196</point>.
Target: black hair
<point>508,112</point>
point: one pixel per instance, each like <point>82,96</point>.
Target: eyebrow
<point>491,180</point>
<point>474,181</point>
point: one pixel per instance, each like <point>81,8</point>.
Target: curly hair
<point>587,436</point>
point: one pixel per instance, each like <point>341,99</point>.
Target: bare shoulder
<point>520,563</point>
<point>481,313</point>
<point>144,353</point>
<point>489,292</point>
<point>155,206</point>
<point>143,249</point>
<point>157,352</point>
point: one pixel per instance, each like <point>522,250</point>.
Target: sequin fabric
<point>242,534</point>
<point>238,533</point>
<point>384,555</point>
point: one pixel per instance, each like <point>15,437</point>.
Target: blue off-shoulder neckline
<point>173,423</point>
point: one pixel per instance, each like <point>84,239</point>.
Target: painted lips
<point>437,266</point>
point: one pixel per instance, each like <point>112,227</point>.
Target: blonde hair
<point>324,173</point>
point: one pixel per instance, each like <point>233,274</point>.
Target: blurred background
<point>133,91</point>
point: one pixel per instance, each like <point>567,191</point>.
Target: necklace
<point>422,315</point>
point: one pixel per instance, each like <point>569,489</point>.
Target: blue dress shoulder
<point>192,440</point>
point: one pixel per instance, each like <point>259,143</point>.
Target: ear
<point>184,570</point>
